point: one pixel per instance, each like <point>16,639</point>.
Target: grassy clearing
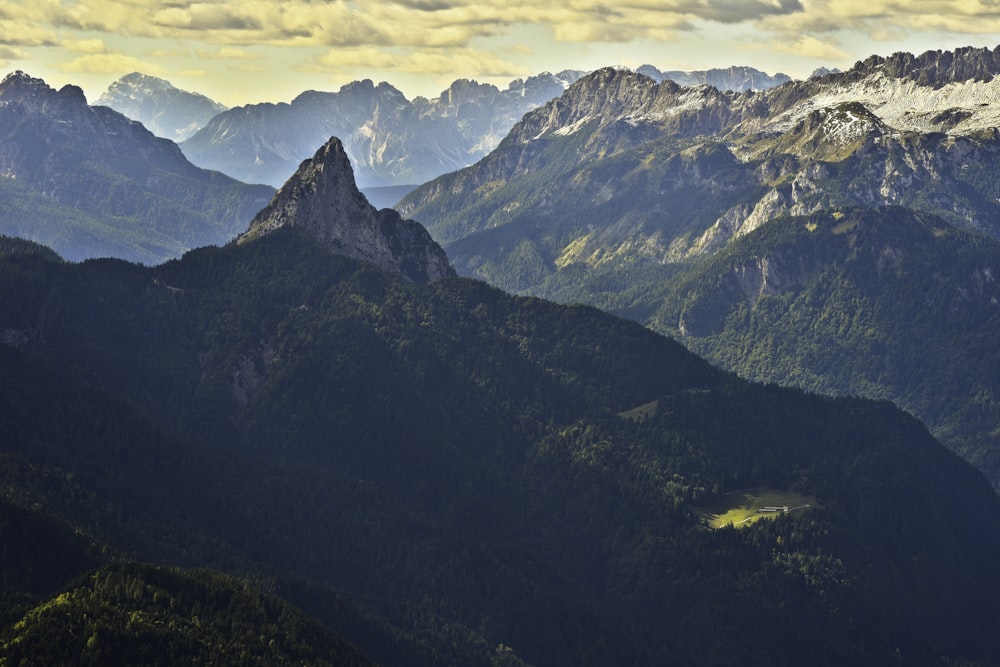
<point>845,226</point>
<point>742,508</point>
<point>640,413</point>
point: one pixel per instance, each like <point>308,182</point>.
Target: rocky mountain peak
<point>605,94</point>
<point>931,68</point>
<point>737,78</point>
<point>831,133</point>
<point>633,106</point>
<point>21,87</point>
<point>20,81</point>
<point>138,80</point>
<point>73,94</point>
<point>162,108</point>
<point>323,199</point>
<point>545,86</point>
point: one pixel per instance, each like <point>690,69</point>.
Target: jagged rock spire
<point>322,198</point>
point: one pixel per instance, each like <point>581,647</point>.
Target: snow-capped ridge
<point>164,109</point>
<point>956,108</point>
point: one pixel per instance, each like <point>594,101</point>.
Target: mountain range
<point>393,141</point>
<point>88,182</point>
<point>738,78</point>
<point>445,474</point>
<point>623,190</point>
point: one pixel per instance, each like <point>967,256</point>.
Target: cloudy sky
<point>242,51</point>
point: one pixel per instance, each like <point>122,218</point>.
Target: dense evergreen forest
<point>445,474</point>
<point>845,302</point>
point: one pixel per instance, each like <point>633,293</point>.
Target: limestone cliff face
<point>323,199</point>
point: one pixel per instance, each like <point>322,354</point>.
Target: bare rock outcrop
<point>323,199</point>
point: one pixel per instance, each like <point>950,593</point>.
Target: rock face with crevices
<point>323,199</point>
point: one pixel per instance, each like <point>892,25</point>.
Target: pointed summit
<point>323,199</point>
<point>20,80</point>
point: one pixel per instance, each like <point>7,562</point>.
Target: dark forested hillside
<point>141,615</point>
<point>448,475</point>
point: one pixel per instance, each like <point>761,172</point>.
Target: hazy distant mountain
<point>823,71</point>
<point>166,111</point>
<point>619,189</point>
<point>393,141</point>
<point>390,140</point>
<point>738,78</point>
<point>89,182</point>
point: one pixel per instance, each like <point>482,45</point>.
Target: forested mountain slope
<point>141,615</point>
<point>460,467</point>
<point>883,303</point>
<point>624,193</point>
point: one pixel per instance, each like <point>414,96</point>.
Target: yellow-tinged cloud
<point>16,33</point>
<point>429,61</point>
<point>227,53</point>
<point>415,23</point>
<point>438,23</point>
<point>452,37</point>
<point>454,23</point>
<point>110,63</point>
<point>808,46</point>
<point>8,53</point>
<point>340,59</point>
<point>464,60</point>
<point>888,19</point>
<point>85,45</point>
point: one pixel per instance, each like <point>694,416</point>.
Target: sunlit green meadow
<point>742,508</point>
